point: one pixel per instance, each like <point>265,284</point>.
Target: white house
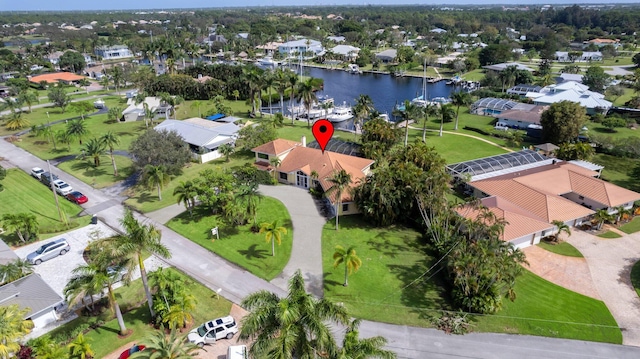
<point>387,55</point>
<point>301,46</point>
<point>336,39</point>
<point>593,102</point>
<point>204,137</point>
<point>347,52</point>
<point>586,56</point>
<point>438,30</point>
<point>136,111</point>
<point>114,52</point>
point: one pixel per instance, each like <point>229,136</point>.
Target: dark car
<point>47,178</point>
<point>134,349</point>
<point>77,197</point>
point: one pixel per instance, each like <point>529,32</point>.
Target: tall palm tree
<point>297,324</point>
<point>156,176</point>
<point>601,216</point>
<point>80,348</point>
<point>275,162</point>
<point>355,348</point>
<point>94,149</point>
<point>13,328</point>
<point>281,84</point>
<point>137,240</point>
<point>459,99</point>
<point>226,150</point>
<point>430,109</point>
<point>269,80</point>
<point>160,346</point>
<point>251,75</point>
<point>64,137</point>
<point>446,115</point>
<point>186,193</point>
<point>28,98</point>
<point>362,111</point>
<point>273,233</point>
<point>349,258</point>
<point>111,139</point>
<point>77,128</point>
<point>197,104</point>
<point>307,95</point>
<point>562,227</point>
<point>79,288</point>
<point>252,197</point>
<point>15,270</point>
<point>411,111</point>
<point>340,181</point>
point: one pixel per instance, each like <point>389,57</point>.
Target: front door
<point>302,180</point>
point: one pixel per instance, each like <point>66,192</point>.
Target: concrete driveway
<point>610,262</point>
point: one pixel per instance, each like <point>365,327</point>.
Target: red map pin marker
<point>322,131</point>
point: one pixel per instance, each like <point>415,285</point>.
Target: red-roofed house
<point>298,162</point>
<point>64,77</point>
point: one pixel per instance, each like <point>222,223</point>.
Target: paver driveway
<point>610,262</point>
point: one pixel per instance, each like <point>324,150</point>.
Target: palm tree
<point>252,196</point>
<point>340,182</point>
<point>298,323</point>
<point>281,84</point>
<point>25,225</point>
<point>16,122</point>
<point>28,98</point>
<point>47,132</point>
<point>430,109</point>
<point>197,104</point>
<point>355,348</point>
<point>601,216</point>
<point>15,270</point>
<point>446,115</point>
<point>114,113</point>
<point>110,139</point>
<point>94,149</point>
<point>80,348</point>
<point>138,240</point>
<point>79,288</point>
<point>77,128</point>
<point>622,213</point>
<point>411,111</point>
<point>275,162</point>
<point>226,150</point>
<point>458,99</point>
<point>13,327</point>
<point>269,80</point>
<point>562,227</point>
<point>307,95</point>
<point>180,313</point>
<point>160,346</point>
<point>156,176</point>
<point>362,110</point>
<point>272,233</point>
<point>186,193</point>
<point>293,83</point>
<point>64,137</point>
<point>351,261</point>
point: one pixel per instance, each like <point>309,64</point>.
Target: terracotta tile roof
<point>519,221</point>
<point>307,160</point>
<point>55,77</point>
<point>604,41</point>
<point>203,79</point>
<point>276,147</point>
<point>601,191</point>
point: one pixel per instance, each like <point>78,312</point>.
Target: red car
<point>134,349</point>
<point>77,197</point>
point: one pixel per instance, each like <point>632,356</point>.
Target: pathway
<point>568,272</point>
<point>409,342</point>
<point>610,262</point>
<point>466,135</point>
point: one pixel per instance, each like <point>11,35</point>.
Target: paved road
<point>408,342</point>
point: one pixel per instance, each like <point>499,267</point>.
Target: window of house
<point>345,207</point>
<point>263,156</point>
<point>283,176</point>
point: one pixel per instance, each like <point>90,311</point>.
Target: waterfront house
<point>300,163</point>
<point>387,56</point>
<point>346,52</point>
<point>573,91</point>
<point>302,46</point>
<point>136,111</point>
<point>115,52</point>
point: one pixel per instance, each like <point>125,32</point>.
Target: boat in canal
<point>340,113</point>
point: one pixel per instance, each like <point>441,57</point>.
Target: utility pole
<point>55,195</point>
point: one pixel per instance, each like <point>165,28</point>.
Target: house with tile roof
<point>30,292</point>
<point>63,77</point>
<point>299,164</point>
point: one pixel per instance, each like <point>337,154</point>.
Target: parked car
<point>36,172</point>
<point>48,251</point>
<point>209,332</point>
<point>47,178</point>
<point>77,197</point>
<point>134,349</point>
<point>62,187</point>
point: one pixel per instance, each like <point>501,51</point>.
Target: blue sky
<point>35,5</point>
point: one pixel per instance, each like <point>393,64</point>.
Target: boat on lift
<point>340,113</point>
<point>354,69</point>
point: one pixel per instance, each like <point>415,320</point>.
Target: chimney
<point>304,141</point>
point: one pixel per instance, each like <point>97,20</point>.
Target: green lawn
<point>562,248</point>
<point>24,194</point>
<point>545,309</point>
<point>616,170</point>
<point>101,176</point>
<point>475,75</point>
<point>238,244</point>
<point>635,277</point>
<point>146,200</point>
<point>239,108</point>
<point>393,258</point>
<point>631,227</point>
<point>105,339</point>
<point>609,235</point>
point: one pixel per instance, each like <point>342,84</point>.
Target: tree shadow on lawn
<point>145,197</point>
<point>384,243</point>
<point>55,219</point>
<point>253,253</point>
<point>328,283</point>
<point>131,319</point>
<point>89,169</point>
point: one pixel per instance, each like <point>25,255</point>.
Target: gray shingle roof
<point>6,254</point>
<point>29,292</point>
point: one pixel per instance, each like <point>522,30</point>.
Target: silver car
<point>48,251</point>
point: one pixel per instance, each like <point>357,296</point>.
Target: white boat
<point>316,111</point>
<point>353,69</point>
<point>421,100</point>
<point>340,113</point>
<point>267,62</point>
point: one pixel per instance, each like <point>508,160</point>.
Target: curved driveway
<point>409,342</point>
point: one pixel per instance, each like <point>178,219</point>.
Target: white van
<point>237,352</point>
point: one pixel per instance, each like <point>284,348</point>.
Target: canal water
<point>385,90</point>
